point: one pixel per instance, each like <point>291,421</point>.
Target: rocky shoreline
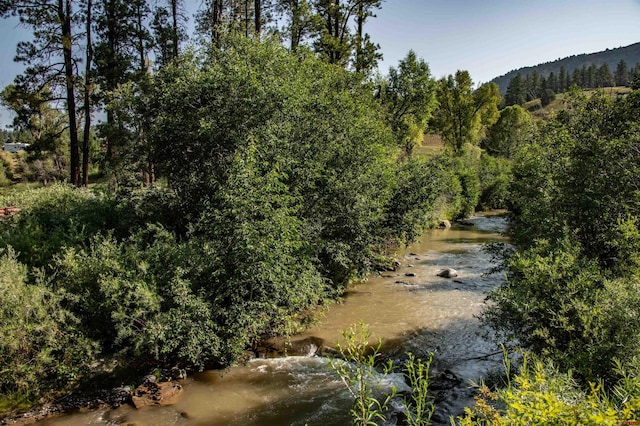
<point>152,391</point>
<point>101,399</point>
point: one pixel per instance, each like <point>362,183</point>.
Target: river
<point>411,309</point>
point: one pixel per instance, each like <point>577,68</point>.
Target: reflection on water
<point>411,309</point>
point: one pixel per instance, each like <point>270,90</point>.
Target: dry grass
<point>559,103</point>
<point>431,145</point>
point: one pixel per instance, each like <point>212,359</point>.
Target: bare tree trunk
<point>141,50</point>
<point>174,16</point>
<point>216,21</point>
<point>64,13</point>
<point>258,16</point>
<point>87,102</point>
<point>359,37</point>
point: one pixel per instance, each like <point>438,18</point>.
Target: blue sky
<point>486,37</point>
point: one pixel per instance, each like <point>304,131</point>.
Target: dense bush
<point>420,186</point>
<point>55,217</point>
<point>41,346</point>
<point>581,174</point>
<point>562,305</point>
<point>285,183</point>
<point>572,288</point>
<point>313,128</point>
<point>495,178</point>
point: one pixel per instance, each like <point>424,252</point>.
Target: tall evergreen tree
<point>49,57</point>
<point>604,78</point>
<point>367,54</point>
<point>336,42</point>
<point>516,92</point>
<point>302,22</point>
<point>622,73</point>
<point>562,80</point>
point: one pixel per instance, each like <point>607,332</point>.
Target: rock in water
<point>163,393</point>
<point>448,273</point>
<point>445,224</point>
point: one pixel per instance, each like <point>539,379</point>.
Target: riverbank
<point>421,314</point>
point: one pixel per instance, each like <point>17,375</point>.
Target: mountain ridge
<point>630,54</point>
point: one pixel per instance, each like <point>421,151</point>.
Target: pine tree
<point>622,74</point>
<point>53,40</point>
<point>516,92</point>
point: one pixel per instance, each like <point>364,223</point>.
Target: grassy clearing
<point>431,146</point>
<point>539,112</point>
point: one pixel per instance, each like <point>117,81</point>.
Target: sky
<point>488,38</point>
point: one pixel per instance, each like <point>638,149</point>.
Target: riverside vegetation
<point>570,302</point>
<point>282,179</point>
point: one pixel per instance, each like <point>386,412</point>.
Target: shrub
<point>41,347</point>
<point>562,305</point>
<point>57,217</point>
<point>540,394</point>
<point>495,178</point>
<point>142,302</point>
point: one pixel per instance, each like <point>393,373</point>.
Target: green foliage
<point>409,98</point>
<point>463,114</point>
<point>41,347</point>
<point>540,395</point>
<point>137,296</point>
<point>495,178</point>
<point>420,403</point>
<point>285,184</point>
<point>582,175</point>
<point>562,305</point>
<point>4,178</point>
<point>464,183</point>
<point>7,168</point>
<point>513,128</point>
<point>315,123</point>
<point>55,217</point>
<point>356,367</point>
<point>419,188</point>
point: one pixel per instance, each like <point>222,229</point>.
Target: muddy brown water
<point>411,310</point>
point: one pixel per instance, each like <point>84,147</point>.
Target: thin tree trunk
<point>216,21</point>
<point>174,15</point>
<point>64,13</point>
<point>359,38</point>
<point>258,15</point>
<point>246,18</point>
<point>87,100</point>
<point>141,51</point>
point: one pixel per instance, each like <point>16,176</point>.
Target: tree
<point>302,22</point>
<point>409,98</point>
<point>516,91</point>
<point>505,136</point>
<point>336,42</point>
<point>622,73</point>
<point>50,58</point>
<point>367,54</point>
<point>120,57</point>
<point>634,80</point>
<point>562,80</point>
<point>603,77</point>
<point>464,114</point>
<point>88,89</point>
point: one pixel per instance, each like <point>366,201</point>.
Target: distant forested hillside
<point>610,57</point>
